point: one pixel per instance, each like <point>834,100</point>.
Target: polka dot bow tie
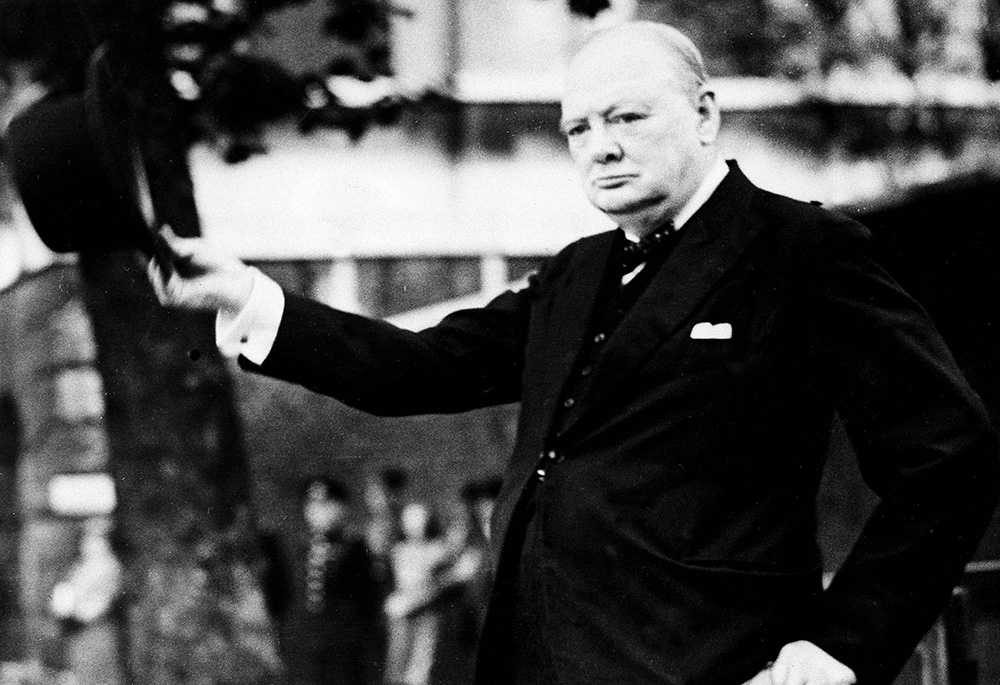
<point>636,253</point>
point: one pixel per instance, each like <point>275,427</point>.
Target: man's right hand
<point>803,663</point>
<point>201,276</point>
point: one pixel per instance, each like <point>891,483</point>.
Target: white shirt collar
<point>708,185</point>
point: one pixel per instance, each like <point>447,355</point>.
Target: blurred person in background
<point>467,584</point>
<point>324,596</point>
<point>481,498</point>
<point>383,498</point>
<point>420,561</point>
<point>678,378</point>
<point>85,602</point>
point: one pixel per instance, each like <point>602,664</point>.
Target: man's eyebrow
<point>570,121</point>
<point>625,103</point>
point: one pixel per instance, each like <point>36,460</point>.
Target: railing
<point>947,655</point>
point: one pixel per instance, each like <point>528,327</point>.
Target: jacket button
<point>569,402</point>
<point>599,338</point>
<point>586,371</point>
<point>552,455</point>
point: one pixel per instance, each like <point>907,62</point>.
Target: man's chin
<point>622,204</point>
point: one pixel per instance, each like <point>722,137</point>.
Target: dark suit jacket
<point>340,643</point>
<point>679,518</point>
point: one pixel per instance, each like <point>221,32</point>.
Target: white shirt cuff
<point>251,330</point>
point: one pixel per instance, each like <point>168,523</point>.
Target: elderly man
<point>678,378</point>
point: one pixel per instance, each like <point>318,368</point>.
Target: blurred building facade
<point>855,104</point>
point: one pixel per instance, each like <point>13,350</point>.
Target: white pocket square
<point>712,331</point>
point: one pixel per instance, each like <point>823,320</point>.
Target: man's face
<point>413,520</point>
<point>323,514</point>
<point>636,135</point>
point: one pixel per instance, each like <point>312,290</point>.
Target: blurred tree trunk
<point>12,619</point>
<point>194,612</point>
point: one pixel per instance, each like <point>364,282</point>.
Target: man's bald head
<point>660,43</point>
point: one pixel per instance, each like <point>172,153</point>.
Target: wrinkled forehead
<point>644,38</point>
<point>609,72</point>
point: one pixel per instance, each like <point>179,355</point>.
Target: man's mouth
<point>612,180</point>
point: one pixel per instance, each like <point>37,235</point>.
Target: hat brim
<point>78,168</point>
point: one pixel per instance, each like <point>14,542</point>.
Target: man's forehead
<point>615,54</point>
<point>603,84</point>
<point>624,45</point>
<point>619,55</point>
<point>604,95</point>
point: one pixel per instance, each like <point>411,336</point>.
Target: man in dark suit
<point>678,378</point>
<point>324,595</point>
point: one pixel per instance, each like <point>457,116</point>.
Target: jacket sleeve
<point>925,446</point>
<point>473,358</point>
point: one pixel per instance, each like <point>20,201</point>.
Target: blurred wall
<point>50,384</point>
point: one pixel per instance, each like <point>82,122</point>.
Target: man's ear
<point>709,117</point>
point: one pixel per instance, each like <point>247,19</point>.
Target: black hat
<point>78,169</point>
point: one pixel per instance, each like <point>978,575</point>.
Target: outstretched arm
<point>472,359</point>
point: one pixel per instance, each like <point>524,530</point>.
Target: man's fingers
<point>197,275</point>
<point>807,674</point>
<point>788,672</point>
<point>164,286</point>
<point>156,279</point>
<point>192,257</point>
<point>182,248</point>
<point>803,663</point>
<point>193,251</point>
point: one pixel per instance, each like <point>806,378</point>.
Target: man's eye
<point>626,118</point>
<point>576,130</point>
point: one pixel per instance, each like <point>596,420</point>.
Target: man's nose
<point>603,146</point>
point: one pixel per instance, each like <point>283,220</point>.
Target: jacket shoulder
<point>806,231</point>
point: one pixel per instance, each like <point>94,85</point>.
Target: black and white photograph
<point>499,342</point>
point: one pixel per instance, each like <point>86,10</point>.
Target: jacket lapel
<point>712,241</point>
